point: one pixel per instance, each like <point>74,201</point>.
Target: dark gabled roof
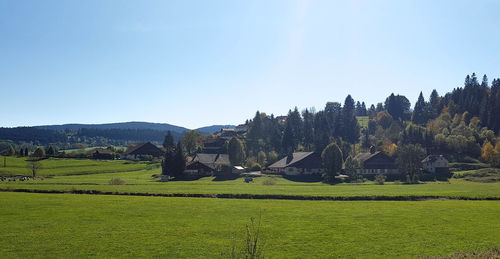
<point>212,159</point>
<point>5,152</point>
<point>147,148</point>
<point>362,157</point>
<point>433,158</point>
<point>292,159</point>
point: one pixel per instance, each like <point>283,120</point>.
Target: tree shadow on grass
<point>226,177</point>
<point>304,178</point>
<point>186,178</point>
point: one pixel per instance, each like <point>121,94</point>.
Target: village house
<point>226,133</point>
<point>376,162</point>
<point>207,164</point>
<point>435,164</point>
<point>214,146</point>
<point>143,150</point>
<point>242,128</point>
<point>299,163</point>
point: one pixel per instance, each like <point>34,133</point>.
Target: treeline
<point>463,125</point>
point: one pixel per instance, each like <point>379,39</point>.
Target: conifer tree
<point>419,112</point>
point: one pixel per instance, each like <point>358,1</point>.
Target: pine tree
<point>288,142</point>
<point>168,142</point>
<point>419,112</point>
<point>350,126</point>
<point>179,161</point>
<point>435,105</point>
<point>308,129</point>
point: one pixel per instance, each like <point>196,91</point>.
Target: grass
<point>141,182</point>
<point>484,175</point>
<point>65,166</point>
<point>66,225</point>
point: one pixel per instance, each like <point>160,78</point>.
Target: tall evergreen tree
<point>168,142</point>
<point>350,126</point>
<point>321,130</point>
<point>333,116</point>
<point>295,121</point>
<point>288,142</point>
<point>308,129</point>
<point>179,161</point>
<point>419,112</point>
<point>435,105</point>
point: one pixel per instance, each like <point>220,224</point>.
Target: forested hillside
<point>463,125</point>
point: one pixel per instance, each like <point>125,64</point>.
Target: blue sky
<point>198,63</point>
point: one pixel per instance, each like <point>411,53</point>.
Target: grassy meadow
<point>141,182</point>
<point>16,166</point>
<point>70,225</point>
<point>80,225</point>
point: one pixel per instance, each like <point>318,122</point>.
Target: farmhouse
<point>299,163</point>
<point>207,164</point>
<point>143,150</point>
<point>376,162</point>
<point>226,133</point>
<point>214,146</point>
<point>101,153</point>
<point>242,128</point>
<point>435,164</point>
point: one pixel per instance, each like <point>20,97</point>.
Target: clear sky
<point>198,63</point>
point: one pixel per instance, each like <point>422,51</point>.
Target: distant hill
<point>214,128</point>
<point>120,134</point>
<point>134,125</point>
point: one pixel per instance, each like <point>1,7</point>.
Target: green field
<point>141,182</point>
<point>80,225</point>
<point>65,166</point>
<point>69,225</point>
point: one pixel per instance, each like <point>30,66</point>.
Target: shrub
<point>380,179</point>
<point>116,181</point>
<point>269,181</point>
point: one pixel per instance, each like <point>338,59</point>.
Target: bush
<point>116,181</point>
<point>380,179</point>
<point>256,167</point>
<point>269,181</point>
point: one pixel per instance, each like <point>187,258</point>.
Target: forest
<point>463,125</point>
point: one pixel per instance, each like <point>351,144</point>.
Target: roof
<point>147,148</point>
<point>362,157</point>
<point>212,159</point>
<point>290,160</point>
<point>433,158</point>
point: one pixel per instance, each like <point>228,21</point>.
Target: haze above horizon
<point>200,63</point>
